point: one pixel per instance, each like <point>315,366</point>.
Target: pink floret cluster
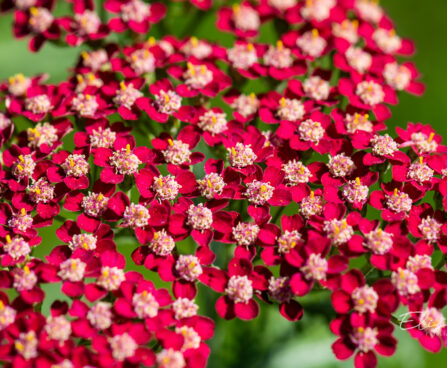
<point>262,171</point>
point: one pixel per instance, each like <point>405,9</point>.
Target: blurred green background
<point>270,341</point>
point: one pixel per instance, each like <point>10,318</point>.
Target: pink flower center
<point>16,247</point>
<point>102,138</point>
<point>100,315</point>
<point>316,88</point>
<point>135,10</point>
<point>184,308</point>
<point>424,143</point>
<point>311,205</point>
<point>365,338</point>
<point>432,321</point>
<point>399,201</point>
<point>135,216</point>
<point>197,76</point>
<point>379,241</point>
<point>166,187</point>
<point>397,76</point>
<point>245,18</point>
<point>290,109</point>
<point>95,59</point>
<point>296,172</point>
<point>246,105</point>
<point>162,244</point>
<point>278,57</point>
<point>383,145</point>
<point>365,299</point>
<point>339,231</point>
<point>24,4</point>
<point>26,345</point>
<point>318,10</point>
<point>41,134</point>
<point>7,315</point>
<point>24,167</point>
<point>241,155</point>
<point>145,305</point>
<point>245,233</point>
<point>170,358</point>
<point>311,43</point>
<point>168,102</point>
<point>177,152</point>
<point>242,56</point>
<point>358,59</point>
<point>415,263</point>
<point>420,172</point>
<point>40,19</point>
<point>315,268</point>
<point>88,21</point>
<point>197,48</point>
<point>85,105</point>
<point>58,328</point>
<point>405,281</point>
<point>239,289</point>
<point>387,40</point>
<point>123,346</point>
<point>288,241</point>
<point>347,30</point>
<point>369,10</point>
<point>20,221</point>
<point>354,191</point>
<point>340,165</point>
<point>18,84</point>
<point>41,191</point>
<point>76,165</point>
<point>188,267</point>
<point>311,131</point>
<point>358,122</point>
<point>430,229</point>
<point>124,161</point>
<point>39,104</point>
<point>259,192</point>
<point>24,279</point>
<point>94,204</point>
<point>127,95</point>
<point>282,5</point>
<point>83,241</point>
<point>72,269</point>
<point>211,185</point>
<point>142,61</point>
<point>213,122</point>
<point>110,278</point>
<point>279,289</point>
<point>199,217</point>
<point>371,93</point>
<point>191,339</point>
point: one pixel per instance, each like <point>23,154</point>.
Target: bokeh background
<point>270,341</point>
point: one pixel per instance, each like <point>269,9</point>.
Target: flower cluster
<point>261,196</point>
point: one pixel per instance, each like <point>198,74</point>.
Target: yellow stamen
<point>233,151</point>
<point>337,230</point>
<point>171,143</point>
<point>250,46</point>
<point>27,270</point>
<point>379,231</point>
<point>123,86</point>
<point>21,158</point>
<point>85,55</point>
<point>88,97</point>
<point>85,245</point>
<point>71,162</point>
<point>395,192</point>
<point>20,167</point>
<point>432,135</point>
<point>203,69</point>
<point>282,102</point>
<point>8,239</point>
<point>236,8</point>
<point>357,180</point>
<point>79,78</point>
<point>100,197</point>
<point>166,98</point>
<point>91,77</point>
<point>23,211</point>
<point>210,185</point>
<point>34,11</point>
<point>344,224</point>
<point>194,41</point>
<point>421,160</point>
<point>252,96</point>
<point>263,188</point>
<point>191,69</point>
<point>37,190</point>
<point>2,305</point>
<point>156,236</point>
<point>315,33</point>
<point>151,41</point>
<point>128,148</point>
<point>312,195</point>
<point>279,45</point>
<point>160,181</point>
